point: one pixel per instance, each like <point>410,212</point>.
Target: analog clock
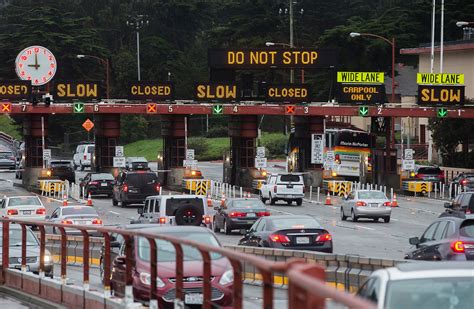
<point>37,64</point>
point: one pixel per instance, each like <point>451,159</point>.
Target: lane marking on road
<point>280,211</point>
<point>113,212</point>
<point>364,227</point>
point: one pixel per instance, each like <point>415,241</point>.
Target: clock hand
<point>36,65</point>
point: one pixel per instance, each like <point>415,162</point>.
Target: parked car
<point>32,250</point>
<point>22,207</point>
<point>221,271</point>
<point>84,156</point>
<point>80,215</point>
<point>447,238</point>
<point>133,187</point>
<point>62,169</point>
<point>429,173</point>
<point>429,285</point>
<point>7,160</point>
<point>97,184</point>
<point>462,182</point>
<point>283,187</point>
<point>463,202</point>
<point>175,210</point>
<point>371,204</point>
<point>288,232</point>
<point>238,213</point>
<point>136,163</point>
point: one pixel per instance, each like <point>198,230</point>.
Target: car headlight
<point>227,277</point>
<point>145,278</point>
<point>48,259</point>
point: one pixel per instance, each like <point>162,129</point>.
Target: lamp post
<point>467,30</point>
<point>105,62</point>
<point>390,42</point>
<point>138,22</point>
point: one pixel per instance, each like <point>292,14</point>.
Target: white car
<point>420,285</point>
<point>76,215</point>
<point>283,187</point>
<point>22,207</point>
<point>371,204</point>
<point>84,156</point>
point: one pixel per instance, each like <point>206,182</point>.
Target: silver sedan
<point>76,215</point>
<point>371,204</point>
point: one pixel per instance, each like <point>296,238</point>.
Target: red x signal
<point>290,109</point>
<point>151,108</point>
<point>6,107</point>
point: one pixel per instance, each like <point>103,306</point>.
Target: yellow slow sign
<point>360,77</point>
<point>439,79</point>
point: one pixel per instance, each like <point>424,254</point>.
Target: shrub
<point>275,144</point>
<point>199,144</point>
<point>218,131</point>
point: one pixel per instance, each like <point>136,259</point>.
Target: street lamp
<point>105,62</point>
<point>277,44</point>
<point>464,23</point>
<point>390,42</point>
<point>138,22</point>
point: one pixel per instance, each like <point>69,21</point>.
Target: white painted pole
<point>441,42</point>
<point>436,190</point>
<point>319,190</point>
<point>391,194</point>
<point>241,192</point>
<point>310,193</point>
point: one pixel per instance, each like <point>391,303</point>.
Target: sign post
<point>119,151</point>
<point>317,148</point>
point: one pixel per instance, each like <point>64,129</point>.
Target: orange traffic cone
<point>248,195</point>
<point>328,200</point>
<point>209,200</point>
<point>394,200</point>
<point>65,200</point>
<point>89,200</point>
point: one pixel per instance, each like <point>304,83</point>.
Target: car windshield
<point>166,251</point>
<point>295,223</point>
<point>6,155</point>
<point>71,210</point>
<point>430,293</point>
<point>102,177</point>
<point>141,179</point>
<point>15,237</point>
<point>60,163</point>
<point>90,149</point>
<point>372,195</point>
<point>290,178</point>
<point>467,228</point>
<point>24,200</point>
<point>248,204</point>
<point>172,204</point>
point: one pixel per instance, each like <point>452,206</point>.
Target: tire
<point>123,204</point>
<point>114,201</point>
<point>272,201</point>
<point>215,227</point>
<point>353,216</point>
<point>81,166</point>
<point>194,219</point>
<point>227,229</point>
<point>386,219</point>
<point>299,202</point>
<point>262,198</point>
<point>75,166</point>
<point>343,216</point>
<point>289,202</point>
<point>375,219</point>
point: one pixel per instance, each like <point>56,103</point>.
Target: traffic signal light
<point>363,111</point>
<point>442,112</point>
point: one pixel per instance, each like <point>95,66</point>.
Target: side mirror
<point>120,260</point>
<point>140,211</point>
<point>414,241</point>
<point>47,217</point>
<point>448,205</point>
<point>114,244</point>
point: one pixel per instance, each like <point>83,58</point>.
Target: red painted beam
<point>239,109</point>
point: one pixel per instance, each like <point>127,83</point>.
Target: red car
<point>222,277</point>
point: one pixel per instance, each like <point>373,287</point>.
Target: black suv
<point>448,238</point>
<point>62,169</point>
<point>133,187</point>
<point>463,202</point>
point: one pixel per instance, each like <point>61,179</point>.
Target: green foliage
<point>144,148</point>
<point>199,144</point>
<point>133,128</point>
<point>275,144</point>
<point>8,126</point>
<point>219,131</point>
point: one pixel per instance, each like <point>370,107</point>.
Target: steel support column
<point>107,136</point>
<point>33,164</point>
<point>173,131</point>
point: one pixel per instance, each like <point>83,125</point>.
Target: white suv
<point>175,210</point>
<point>283,187</point>
<point>84,156</point>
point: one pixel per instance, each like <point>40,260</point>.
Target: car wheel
<point>215,228</point>
<point>114,201</point>
<point>227,229</point>
<point>343,216</point>
<point>299,202</point>
<point>375,219</point>
<point>353,216</point>
<point>123,204</point>
<point>81,166</point>
<point>386,219</point>
<point>289,202</point>
<point>272,200</point>
<point>262,198</point>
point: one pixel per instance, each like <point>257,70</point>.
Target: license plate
<point>104,184</point>
<point>302,240</point>
<point>133,191</point>
<point>27,212</point>
<point>468,246</point>
<point>374,205</point>
<point>250,214</point>
<point>193,299</point>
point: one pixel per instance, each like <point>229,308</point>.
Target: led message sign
<point>151,91</point>
<point>216,92</point>
<point>288,93</point>
<point>15,89</point>
<point>440,95</point>
<point>361,94</point>
<point>77,90</point>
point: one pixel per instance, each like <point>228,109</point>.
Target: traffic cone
<point>65,200</point>
<point>248,195</point>
<point>209,200</point>
<point>222,200</point>
<point>89,200</point>
<point>328,200</point>
<point>394,200</point>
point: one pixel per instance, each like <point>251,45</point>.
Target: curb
<point>29,299</point>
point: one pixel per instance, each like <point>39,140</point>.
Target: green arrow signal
<point>218,109</point>
<point>442,112</point>
<point>363,111</point>
<point>78,107</point>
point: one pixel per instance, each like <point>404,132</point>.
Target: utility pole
<point>441,42</point>
<point>433,19</point>
<point>292,72</point>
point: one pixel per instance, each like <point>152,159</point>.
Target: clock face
<point>37,64</point>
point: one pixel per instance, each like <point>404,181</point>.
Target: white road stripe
<point>364,227</point>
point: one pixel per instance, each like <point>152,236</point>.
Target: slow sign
<point>440,95</point>
<point>151,91</point>
<point>216,92</point>
<point>270,58</point>
<point>288,93</point>
<point>15,89</point>
<point>77,90</point>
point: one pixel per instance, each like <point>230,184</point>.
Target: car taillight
<point>468,211</point>
<point>458,246</point>
<point>275,189</point>
<point>157,187</point>
<point>97,221</point>
<point>162,220</point>
<point>236,214</point>
<point>387,204</point>
<point>94,183</point>
<point>66,222</point>
<point>40,211</point>
<point>337,158</point>
<point>125,188</point>
<point>464,182</point>
<point>207,220</point>
<point>263,214</point>
<point>360,203</point>
<point>12,212</point>
<point>85,157</point>
<point>324,237</point>
<point>279,238</point>
<point>420,175</point>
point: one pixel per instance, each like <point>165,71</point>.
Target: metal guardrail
<point>303,277</point>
